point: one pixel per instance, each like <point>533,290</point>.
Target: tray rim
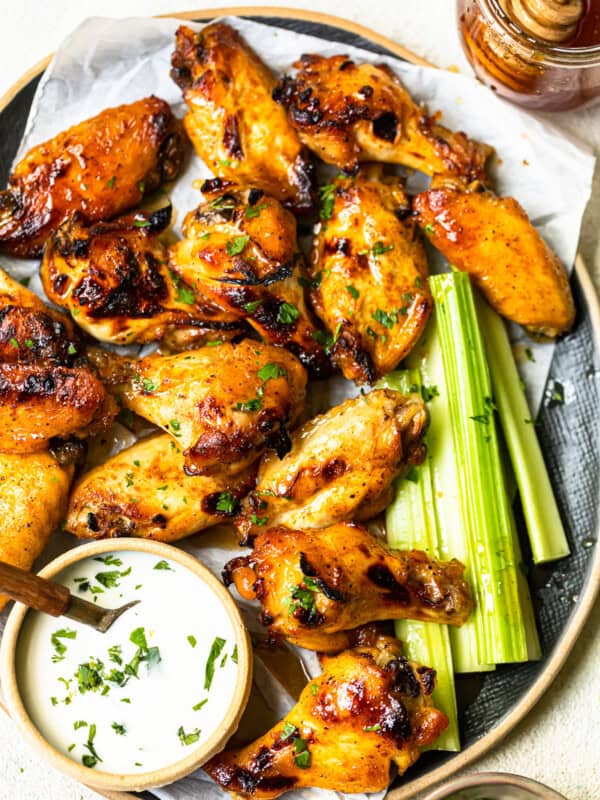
<point>591,590</point>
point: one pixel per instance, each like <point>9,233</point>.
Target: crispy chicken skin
<point>314,584</point>
<point>114,277</point>
<point>240,252</point>
<point>30,331</point>
<point>493,240</point>
<point>347,113</point>
<point>144,491</point>
<point>369,709</point>
<point>33,500</point>
<point>222,405</point>
<point>100,167</point>
<point>39,402</point>
<point>234,124</point>
<point>370,274</point>
<point>341,464</point>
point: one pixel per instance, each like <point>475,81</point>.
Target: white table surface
<point>558,742</point>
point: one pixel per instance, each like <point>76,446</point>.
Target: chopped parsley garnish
<point>188,738</point>
<point>353,291</point>
<point>14,342</point>
<point>302,757</point>
<point>119,729</point>
<point>129,479</point>
<point>249,405</point>
<point>29,343</point>
<point>234,655</point>
<point>254,211</point>
<point>215,652</point>
<point>192,640</point>
<point>271,370</point>
<point>259,521</point>
<point>110,580</point>
<point>200,705</point>
<point>109,560</point>
<point>311,283</point>
<point>314,689</point>
<point>327,197</point>
<point>214,343</point>
<point>428,228</point>
<point>529,354</point>
<point>288,730</point>
<point>387,320</point>
<point>556,394</point>
<point>162,564</point>
<point>80,723</point>
<point>225,162</point>
<point>326,340</point>
<point>287,314</point>
<point>141,223</point>
<point>429,392</point>
<point>175,426</point>
<point>370,728</point>
<point>185,294</point>
<point>412,474</point>
<point>379,248</point>
<point>236,245</point>
<point>251,307</point>
<point>114,654</point>
<point>71,350</point>
<point>223,201</point>
<point>111,182</point>
<point>141,186</point>
<point>93,758</point>
<point>226,503</point>
<point>59,647</point>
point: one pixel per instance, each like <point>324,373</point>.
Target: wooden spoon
<point>55,599</point>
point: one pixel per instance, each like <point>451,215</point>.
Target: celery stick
<point>469,648</point>
<point>486,510</point>
<point>411,523</point>
<point>544,525</point>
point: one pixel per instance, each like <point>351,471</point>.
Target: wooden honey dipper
<point>549,20</point>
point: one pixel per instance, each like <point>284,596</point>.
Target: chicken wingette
<point>315,586</point>
<point>493,239</point>
<point>144,491</point>
<point>370,709</point>
<point>347,113</point>
<point>341,465</point>
<point>115,280</point>
<point>240,252</point>
<point>222,405</point>
<point>100,167</point>
<point>46,389</point>
<point>234,124</point>
<point>369,275</point>
<point>33,501</point>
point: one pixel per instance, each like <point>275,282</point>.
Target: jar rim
<point>546,54</point>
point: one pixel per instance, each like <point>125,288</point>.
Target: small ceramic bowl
<point>493,786</point>
<point>138,781</point>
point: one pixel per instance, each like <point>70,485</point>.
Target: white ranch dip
<point>141,696</point>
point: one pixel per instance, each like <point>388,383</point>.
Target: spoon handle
<point>33,591</point>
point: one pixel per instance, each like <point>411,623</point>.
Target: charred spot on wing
<point>427,676</point>
<point>159,220</point>
<point>385,126</point>
<point>231,138</point>
<point>159,520</point>
<point>404,679</point>
<point>383,578</point>
<point>280,441</point>
<point>330,592</point>
<point>68,451</point>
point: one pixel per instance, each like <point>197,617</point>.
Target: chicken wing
<point>223,405</point>
<point>234,124</point>
<point>240,252</point>
<point>114,278</point>
<point>493,240</point>
<point>144,491</point>
<point>370,708</point>
<point>369,275</point>
<point>100,167</point>
<point>341,464</point>
<point>30,331</point>
<point>347,113</point>
<point>33,500</point>
<point>40,402</point>
<point>313,585</point>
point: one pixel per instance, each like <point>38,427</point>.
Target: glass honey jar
<point>527,70</point>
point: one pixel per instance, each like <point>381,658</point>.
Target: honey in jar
<point>541,54</point>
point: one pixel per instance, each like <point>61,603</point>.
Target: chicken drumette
<point>347,113</point>
<point>115,280</point>
<point>100,167</point>
<point>222,405</point>
<point>316,586</point>
<point>234,124</point>
<point>370,709</point>
<point>369,275</point>
<point>240,252</point>
<point>341,465</point>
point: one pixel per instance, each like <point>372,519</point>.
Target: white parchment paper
<point>105,62</point>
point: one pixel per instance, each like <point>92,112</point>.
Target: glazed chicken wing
<point>370,709</point>
<point>341,464</point>
<point>222,405</point>
<point>144,491</point>
<point>33,500</point>
<point>240,252</point>
<point>234,124</point>
<point>114,278</point>
<point>347,113</point>
<point>315,585</point>
<point>493,240</point>
<point>370,270</point>
<point>100,167</point>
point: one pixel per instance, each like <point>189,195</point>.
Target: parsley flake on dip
<point>151,699</point>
